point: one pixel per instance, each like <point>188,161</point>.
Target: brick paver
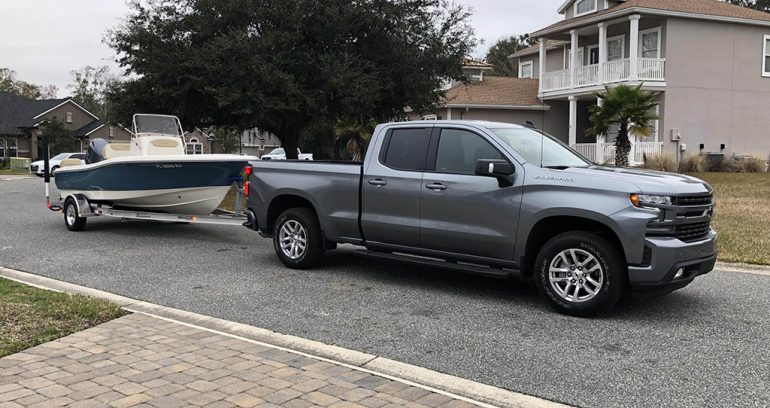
<point>141,361</point>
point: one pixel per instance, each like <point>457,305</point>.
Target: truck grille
<point>693,200</point>
<point>692,232</point>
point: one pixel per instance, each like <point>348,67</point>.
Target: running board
<point>198,219</point>
<point>438,263</point>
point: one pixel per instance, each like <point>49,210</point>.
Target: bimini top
<point>157,125</point>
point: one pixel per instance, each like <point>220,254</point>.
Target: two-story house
<point>710,61</point>
<point>21,119</point>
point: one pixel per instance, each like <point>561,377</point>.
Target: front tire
<point>297,238</point>
<point>580,274</point>
<point>71,218</point>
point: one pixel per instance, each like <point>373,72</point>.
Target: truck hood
<point>646,181</point>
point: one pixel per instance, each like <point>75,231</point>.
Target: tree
<point>762,5</point>
<point>498,54</point>
<point>226,140</point>
<point>9,83</point>
<point>353,139</point>
<point>59,138</point>
<point>89,88</point>
<point>291,67</point>
<point>631,109</point>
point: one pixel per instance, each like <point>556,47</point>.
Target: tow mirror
<point>494,168</point>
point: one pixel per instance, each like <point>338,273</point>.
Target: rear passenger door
<point>391,187</point>
<point>463,213</point>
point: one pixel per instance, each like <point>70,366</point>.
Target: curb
<point>743,268</point>
<point>455,387</point>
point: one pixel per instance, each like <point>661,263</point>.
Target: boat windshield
<point>541,149</point>
<point>157,124</point>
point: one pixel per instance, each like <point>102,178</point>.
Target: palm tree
<point>354,137</point>
<point>631,109</point>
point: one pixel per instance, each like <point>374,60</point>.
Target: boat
<point>152,172</point>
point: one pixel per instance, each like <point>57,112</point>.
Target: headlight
<point>640,200</point>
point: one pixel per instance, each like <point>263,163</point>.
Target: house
<point>498,99</point>
<point>21,118</point>
<point>710,61</point>
<point>255,142</point>
<point>197,141</point>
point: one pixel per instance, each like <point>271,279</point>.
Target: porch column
<point>602,50</point>
<point>573,57</point>
<point>542,63</point>
<point>599,142</point>
<point>633,47</point>
<point>572,120</point>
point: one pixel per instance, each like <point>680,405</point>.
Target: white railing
<point>604,153</point>
<point>652,69</point>
<point>587,75</point>
<point>617,70</point>
<point>557,80</point>
<point>641,150</point>
<point>648,69</point>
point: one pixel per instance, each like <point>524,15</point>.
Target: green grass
<point>742,214</point>
<point>229,202</point>
<point>31,316</point>
<point>8,172</point>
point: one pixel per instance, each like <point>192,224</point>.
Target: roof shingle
<point>703,7</point>
<point>499,91</point>
<point>18,112</point>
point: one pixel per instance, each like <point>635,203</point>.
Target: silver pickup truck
<point>495,199</point>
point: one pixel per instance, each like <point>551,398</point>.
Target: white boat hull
<point>192,201</point>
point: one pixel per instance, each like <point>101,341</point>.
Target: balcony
<point>648,70</point>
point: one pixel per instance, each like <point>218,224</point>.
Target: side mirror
<point>494,168</point>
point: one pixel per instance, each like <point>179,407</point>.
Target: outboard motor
<point>95,152</point>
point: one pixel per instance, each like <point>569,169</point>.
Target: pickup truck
<point>280,154</point>
<point>495,199</point>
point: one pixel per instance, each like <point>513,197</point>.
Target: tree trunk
<point>290,141</point>
<point>622,145</point>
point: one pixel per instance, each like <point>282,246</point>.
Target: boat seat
<point>70,162</point>
<point>116,150</point>
<point>164,147</point>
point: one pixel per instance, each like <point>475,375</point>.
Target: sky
<point>44,40</point>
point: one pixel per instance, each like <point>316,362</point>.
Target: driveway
<point>706,345</point>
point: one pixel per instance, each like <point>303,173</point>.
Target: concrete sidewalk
<point>139,360</point>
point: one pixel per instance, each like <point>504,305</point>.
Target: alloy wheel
<point>575,275</point>
<point>293,239</point>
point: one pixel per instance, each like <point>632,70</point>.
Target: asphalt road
<point>707,345</point>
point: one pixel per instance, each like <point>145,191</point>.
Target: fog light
<point>679,273</point>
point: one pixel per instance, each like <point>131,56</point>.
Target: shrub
<point>693,163</point>
<point>663,162</point>
<point>726,165</point>
<point>753,165</point>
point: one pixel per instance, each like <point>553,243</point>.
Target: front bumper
<point>666,256</point>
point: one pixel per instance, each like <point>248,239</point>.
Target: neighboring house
<point>499,99</point>
<point>710,61</point>
<point>21,118</point>
<point>255,142</point>
<point>197,141</point>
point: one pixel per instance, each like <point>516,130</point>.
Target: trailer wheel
<point>297,238</point>
<point>71,218</point>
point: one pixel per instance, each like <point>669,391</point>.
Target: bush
<point>726,165</point>
<point>693,163</point>
<point>663,162</point>
<point>753,165</point>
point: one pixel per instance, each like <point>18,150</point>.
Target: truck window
<point>458,151</point>
<point>407,149</point>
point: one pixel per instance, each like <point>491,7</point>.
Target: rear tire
<point>71,218</point>
<point>297,238</point>
<point>580,274</point>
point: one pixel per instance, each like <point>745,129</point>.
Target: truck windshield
<point>159,124</point>
<point>540,149</point>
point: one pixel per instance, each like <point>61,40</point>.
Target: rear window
<point>407,149</point>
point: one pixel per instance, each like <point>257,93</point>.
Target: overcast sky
<point>43,40</point>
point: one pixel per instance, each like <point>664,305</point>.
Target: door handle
<point>378,182</point>
<point>436,186</point>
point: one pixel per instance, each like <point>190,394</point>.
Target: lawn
<point>229,202</point>
<point>742,215</point>
<point>8,172</point>
<point>31,316</point>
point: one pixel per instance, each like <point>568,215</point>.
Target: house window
<point>568,58</point>
<point>766,59</point>
<point>593,55</point>
<point>616,48</point>
<point>585,7</point>
<point>69,117</point>
<point>525,69</point>
<point>649,43</point>
<point>194,147</point>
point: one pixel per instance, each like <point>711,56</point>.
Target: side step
<point>438,263</point>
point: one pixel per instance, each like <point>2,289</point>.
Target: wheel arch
<point>550,226</point>
<point>283,202</point>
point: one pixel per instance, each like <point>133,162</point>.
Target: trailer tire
<point>72,220</point>
<point>297,238</point>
